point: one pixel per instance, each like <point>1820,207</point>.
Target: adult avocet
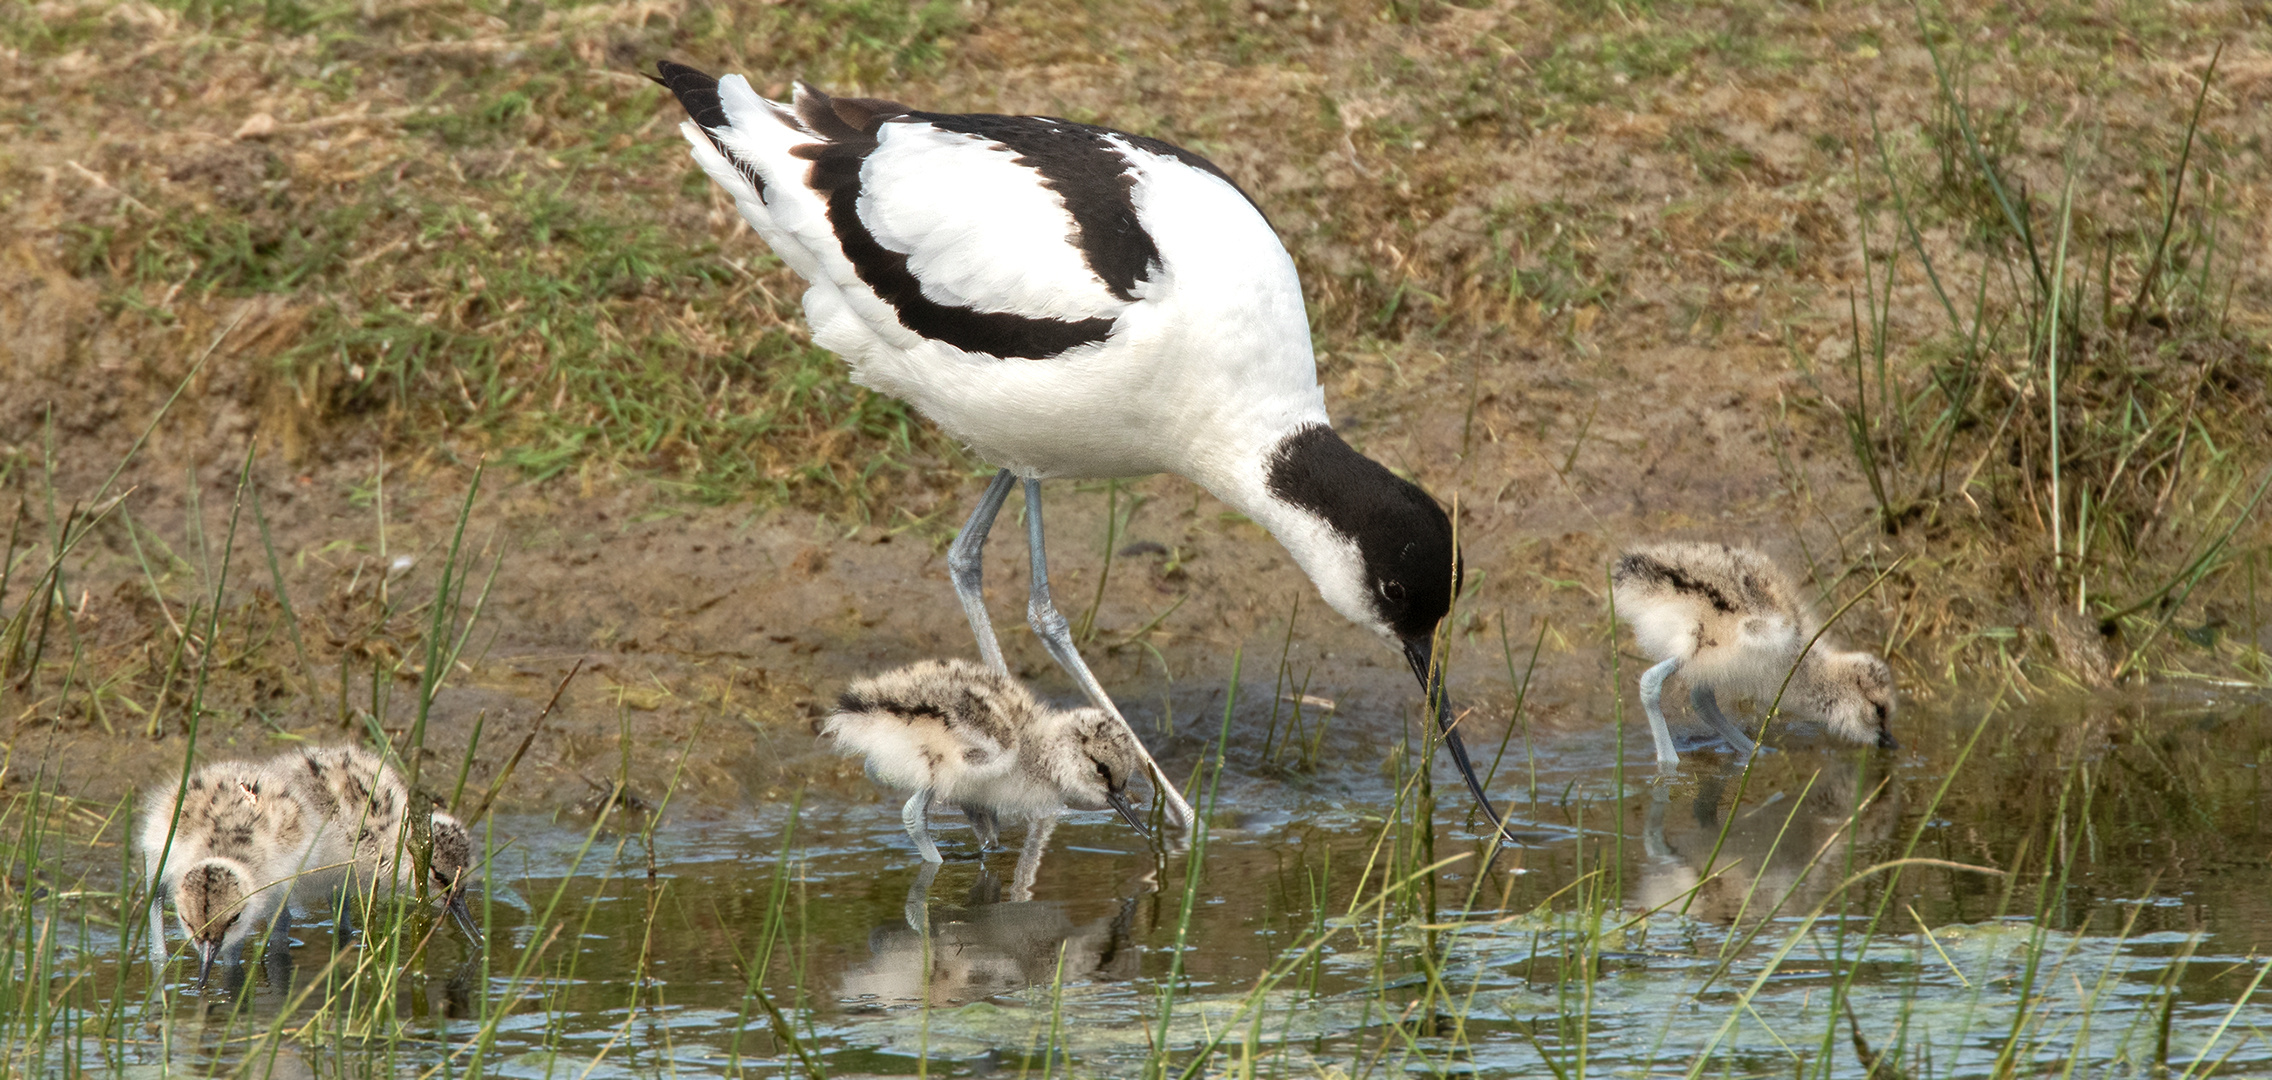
<point>1072,301</point>
<point>1729,619</point>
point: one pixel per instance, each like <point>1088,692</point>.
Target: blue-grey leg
<point>1057,635</point>
<point>1653,824</point>
<point>1708,707</point>
<point>343,908</point>
<point>276,955</point>
<point>232,965</point>
<point>966,564</point>
<point>916,815</point>
<point>157,934</point>
<point>986,825</point>
<point>1652,700</point>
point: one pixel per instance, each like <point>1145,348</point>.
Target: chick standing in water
<point>1728,619</point>
<point>364,843</point>
<point>227,859</point>
<point>954,732</point>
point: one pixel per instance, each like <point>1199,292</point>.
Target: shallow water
<point>2097,887</point>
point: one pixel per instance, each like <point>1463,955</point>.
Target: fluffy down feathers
<point>1737,623</point>
<point>230,858</point>
<point>977,739</point>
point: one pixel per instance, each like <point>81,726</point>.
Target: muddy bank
<point>709,637</point>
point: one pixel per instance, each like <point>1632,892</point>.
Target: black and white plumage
<point>1073,301</point>
<point>974,738</point>
<point>1729,619</point>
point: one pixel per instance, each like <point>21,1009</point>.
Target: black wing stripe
<point>836,175</point>
<point>1073,159</point>
<point>850,125</point>
<point>843,119</point>
<point>1093,177</point>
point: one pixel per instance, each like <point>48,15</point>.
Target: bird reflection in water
<point>998,941</point>
<point>1784,853</point>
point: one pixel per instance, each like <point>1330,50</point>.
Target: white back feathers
<point>1151,296</point>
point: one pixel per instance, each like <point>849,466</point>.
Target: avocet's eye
<point>1105,771</point>
<point>1393,590</point>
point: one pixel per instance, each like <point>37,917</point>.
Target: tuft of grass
<point>513,259</point>
<point>2082,435</point>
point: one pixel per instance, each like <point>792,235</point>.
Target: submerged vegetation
<point>2025,889</point>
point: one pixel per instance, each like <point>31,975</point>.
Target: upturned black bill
<point>1419,652</point>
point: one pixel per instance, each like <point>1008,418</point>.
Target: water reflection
<point>2133,886</point>
<point>996,942</point>
<point>1789,842</point>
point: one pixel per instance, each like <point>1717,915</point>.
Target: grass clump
<point>539,325</point>
<point>477,229</point>
<point>2084,432</point>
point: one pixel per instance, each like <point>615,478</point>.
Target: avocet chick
<point>1730,620</point>
<point>236,846</point>
<point>364,807</point>
<point>954,732</point>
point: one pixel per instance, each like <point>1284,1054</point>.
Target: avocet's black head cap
<point>1406,570</point>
